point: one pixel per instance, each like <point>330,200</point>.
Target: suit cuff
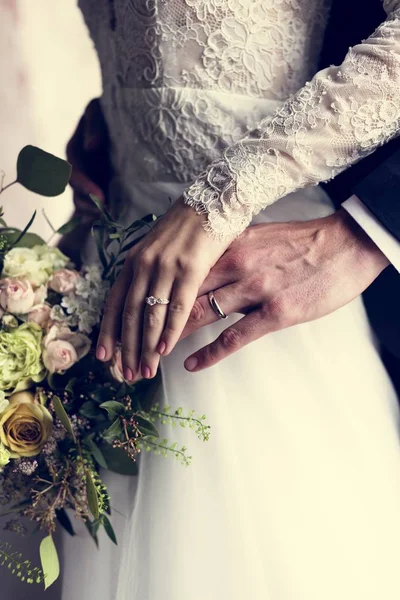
<point>385,241</point>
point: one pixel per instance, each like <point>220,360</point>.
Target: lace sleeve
<point>339,117</point>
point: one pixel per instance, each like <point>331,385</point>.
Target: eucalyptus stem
<point>5,187</point>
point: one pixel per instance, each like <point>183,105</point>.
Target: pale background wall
<point>48,73</point>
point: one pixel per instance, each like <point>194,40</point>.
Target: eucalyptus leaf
<point>25,230</point>
<point>109,529</point>
<point>113,408</point>
<point>62,415</point>
<point>92,496</point>
<point>65,521</point>
<point>97,233</point>
<point>113,432</point>
<point>117,460</point>
<point>49,561</point>
<point>27,241</point>
<point>41,172</point>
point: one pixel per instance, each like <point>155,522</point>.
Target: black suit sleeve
<point>380,192</point>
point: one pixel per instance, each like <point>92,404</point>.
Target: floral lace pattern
<point>342,115</point>
<point>167,63</point>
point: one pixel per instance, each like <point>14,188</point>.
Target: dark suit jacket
<point>375,180</point>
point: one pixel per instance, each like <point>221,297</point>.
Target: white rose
<point>3,401</point>
<point>24,262</point>
<point>16,296</point>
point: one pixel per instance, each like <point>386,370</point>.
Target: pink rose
<point>63,348</point>
<point>40,314</point>
<point>16,296</point>
<point>63,281</point>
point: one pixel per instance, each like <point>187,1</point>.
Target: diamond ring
<point>151,300</point>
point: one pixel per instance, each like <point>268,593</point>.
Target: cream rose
<point>63,348</point>
<point>63,281</point>
<point>25,425</point>
<point>40,314</point>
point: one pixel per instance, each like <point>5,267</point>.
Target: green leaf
<point>90,410</point>
<point>147,427</point>
<point>97,454</point>
<point>69,226</point>
<point>117,460</point>
<point>92,528</point>
<point>71,384</point>
<point>92,496</point>
<point>25,230</point>
<point>28,241</point>
<point>113,408</point>
<point>113,432</point>
<point>62,415</point>
<point>65,521</point>
<point>97,233</point>
<point>104,211</point>
<point>49,560</point>
<point>41,172</point>
<point>109,529</point>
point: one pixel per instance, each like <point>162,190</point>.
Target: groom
<point>340,256</point>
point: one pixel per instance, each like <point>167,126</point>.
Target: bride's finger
<point>153,325</point>
<point>230,300</point>
<point>111,322</point>
<point>132,323</point>
<point>184,295</point>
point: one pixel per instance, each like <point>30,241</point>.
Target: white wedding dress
<point>297,494</point>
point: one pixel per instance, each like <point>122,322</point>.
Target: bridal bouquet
<point>62,414</point>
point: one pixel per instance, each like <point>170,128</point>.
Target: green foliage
<point>113,432</point>
<point>113,408</point>
<point>109,529</point>
<point>92,496</point>
<point>41,172</point>
<point>62,415</point>
<point>49,560</point>
<point>65,521</point>
<point>117,460</point>
<point>22,569</point>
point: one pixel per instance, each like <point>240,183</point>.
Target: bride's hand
<point>171,262</point>
<point>283,274</point>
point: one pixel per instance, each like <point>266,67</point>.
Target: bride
<point>297,494</point>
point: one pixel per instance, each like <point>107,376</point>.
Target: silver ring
<point>215,306</point>
<point>151,300</point>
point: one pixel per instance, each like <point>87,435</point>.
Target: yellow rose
<point>25,425</point>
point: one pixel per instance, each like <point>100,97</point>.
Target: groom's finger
<point>230,299</point>
<point>250,328</point>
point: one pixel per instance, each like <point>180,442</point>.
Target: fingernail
<point>191,363</point>
<point>101,353</point>
<point>128,375</point>
<point>146,372</point>
<point>161,347</point>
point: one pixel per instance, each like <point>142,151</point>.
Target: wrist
<point>367,256</point>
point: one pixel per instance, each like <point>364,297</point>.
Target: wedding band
<point>215,306</point>
<point>151,300</point>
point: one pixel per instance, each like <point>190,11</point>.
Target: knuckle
<point>145,259</point>
<point>198,313</point>
<point>238,261</point>
<point>152,319</point>
<point>230,339</point>
<point>129,315</point>
<point>176,307</point>
<point>278,309</point>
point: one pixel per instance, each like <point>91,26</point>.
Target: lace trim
<point>332,122</point>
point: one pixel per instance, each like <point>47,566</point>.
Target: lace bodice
<point>217,89</point>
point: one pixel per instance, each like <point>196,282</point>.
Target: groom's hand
<point>283,274</point>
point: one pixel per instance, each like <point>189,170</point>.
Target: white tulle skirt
<point>297,494</point>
